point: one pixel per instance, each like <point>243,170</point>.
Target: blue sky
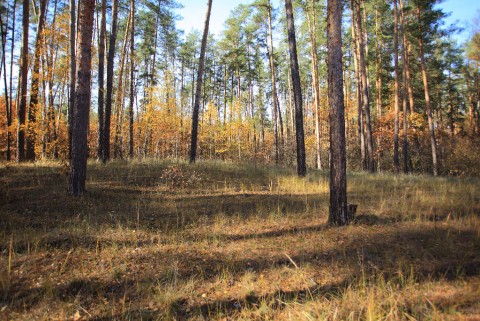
<point>194,13</point>
<point>461,11</point>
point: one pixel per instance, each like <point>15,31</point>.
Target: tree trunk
<point>405,82</point>
<point>379,85</point>
<point>356,61</point>
<point>431,126</point>
<point>271,60</point>
<point>73,74</point>
<point>338,170</point>
<point>48,61</point>
<point>396,159</point>
<point>225,77</point>
<point>312,26</point>
<point>364,83</point>
<point>119,96</point>
<point>108,105</point>
<point>78,168</point>
<point>132,77</point>
<point>297,91</point>
<point>198,92</point>
<point>8,101</point>
<point>101,78</point>
<point>12,50</point>
<point>22,107</point>
<point>35,88</point>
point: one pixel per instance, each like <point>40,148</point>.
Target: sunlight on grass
<point>167,240</point>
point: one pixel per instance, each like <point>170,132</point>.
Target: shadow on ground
<point>457,256</point>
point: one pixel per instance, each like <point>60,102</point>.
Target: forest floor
<point>218,241</point>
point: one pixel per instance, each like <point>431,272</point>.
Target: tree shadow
<point>229,306</point>
<point>117,206</point>
<point>429,254</point>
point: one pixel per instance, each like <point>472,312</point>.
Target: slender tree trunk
<point>73,74</point>
<point>120,94</point>
<point>196,107</point>
<point>109,98</point>
<point>280,129</point>
<point>225,77</point>
<point>338,170</point>
<point>473,104</point>
<point>396,159</point>
<point>271,60</point>
<point>182,96</point>
<point>411,98</point>
<point>356,61</point>
<point>12,50</point>
<point>405,82</point>
<point>261,91</point>
<point>312,25</point>
<point>8,107</point>
<point>297,91</point>
<point>431,126</point>
<point>406,48</point>
<point>22,108</point>
<point>132,77</point>
<point>379,80</point>
<point>48,63</point>
<point>101,78</point>
<point>78,168</point>
<point>364,83</point>
<point>45,129</point>
<point>35,88</point>
<point>154,59</point>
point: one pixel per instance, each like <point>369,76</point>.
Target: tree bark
<point>396,159</point>
<point>312,26</point>
<point>109,98</point>
<point>22,107</point>
<point>297,91</point>
<point>8,101</point>
<point>73,74</point>
<point>101,78</point>
<point>132,77</point>
<point>338,169</point>
<point>78,168</point>
<point>431,126</point>
<point>120,94</point>
<point>364,83</point>
<point>35,88</point>
<point>271,60</point>
<point>356,61</point>
<point>48,61</point>
<point>379,82</point>
<point>408,82</point>
<point>405,86</point>
<point>198,92</point>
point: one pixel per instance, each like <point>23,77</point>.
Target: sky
<point>460,11</point>
<point>193,14</point>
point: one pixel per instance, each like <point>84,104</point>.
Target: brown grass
<point>169,241</point>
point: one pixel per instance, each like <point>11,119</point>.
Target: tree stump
<point>351,210</point>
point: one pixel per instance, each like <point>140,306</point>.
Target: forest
<point>314,160</point>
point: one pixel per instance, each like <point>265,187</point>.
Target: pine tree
<point>78,167</point>
<point>338,171</point>
<point>22,108</point>
<point>297,91</point>
<point>196,107</point>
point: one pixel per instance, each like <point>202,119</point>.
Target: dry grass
<point>169,241</point>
